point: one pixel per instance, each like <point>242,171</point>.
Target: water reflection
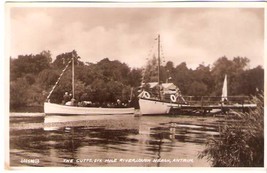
<point>55,138</point>
<point>54,122</point>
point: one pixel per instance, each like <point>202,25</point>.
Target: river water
<point>113,141</point>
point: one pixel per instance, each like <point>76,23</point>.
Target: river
<point>109,141</point>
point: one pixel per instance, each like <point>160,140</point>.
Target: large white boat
<point>152,107</point>
<point>168,95</point>
<point>70,109</point>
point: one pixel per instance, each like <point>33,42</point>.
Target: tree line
<point>33,76</point>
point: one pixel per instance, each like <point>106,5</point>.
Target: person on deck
<point>119,103</point>
<point>66,98</point>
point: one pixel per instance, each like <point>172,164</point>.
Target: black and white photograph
<point>115,84</point>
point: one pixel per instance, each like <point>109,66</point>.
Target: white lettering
<point>33,161</point>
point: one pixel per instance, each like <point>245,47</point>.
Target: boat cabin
<point>166,89</point>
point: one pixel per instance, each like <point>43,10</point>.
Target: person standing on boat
<point>66,98</point>
<point>71,101</point>
<point>118,103</point>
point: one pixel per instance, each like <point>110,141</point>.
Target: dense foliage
<point>241,142</point>
<point>33,76</point>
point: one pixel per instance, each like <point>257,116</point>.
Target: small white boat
<point>52,108</point>
<point>70,109</point>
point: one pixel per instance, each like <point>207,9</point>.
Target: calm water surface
<point>125,140</point>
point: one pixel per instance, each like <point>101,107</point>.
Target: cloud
<point>29,35</point>
<point>188,35</point>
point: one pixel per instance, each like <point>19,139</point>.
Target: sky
<point>192,35</point>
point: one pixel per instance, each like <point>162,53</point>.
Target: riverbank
<point>26,114</point>
<point>29,109</point>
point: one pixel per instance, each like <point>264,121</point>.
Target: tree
<point>251,81</point>
<point>112,70</point>
<point>233,69</point>
<point>63,59</point>
<point>166,73</point>
<point>29,64</point>
<point>18,92</point>
<point>35,95</point>
<point>80,89</point>
<point>183,78</point>
<point>202,74</point>
<point>198,89</point>
<point>151,71</point>
<point>47,78</point>
<point>135,77</point>
<point>47,54</point>
<point>86,73</point>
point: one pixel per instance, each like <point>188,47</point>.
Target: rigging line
<point>150,54</point>
<point>58,79</point>
<point>153,47</point>
<point>162,54</point>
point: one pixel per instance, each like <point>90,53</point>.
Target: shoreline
<point>185,117</point>
<point>26,114</point>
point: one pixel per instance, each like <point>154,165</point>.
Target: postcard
<point>139,84</point>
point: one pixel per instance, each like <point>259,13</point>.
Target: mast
<point>72,75</point>
<point>159,65</point>
<point>159,59</point>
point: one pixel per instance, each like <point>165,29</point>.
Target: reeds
<point>241,140</point>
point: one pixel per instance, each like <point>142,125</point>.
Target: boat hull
<point>154,107</point>
<point>57,109</point>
